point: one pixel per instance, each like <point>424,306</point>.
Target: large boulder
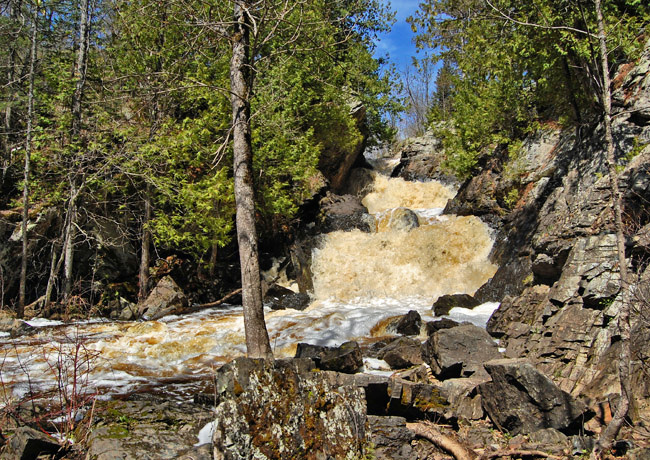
<point>277,410</point>
<point>460,351</point>
<point>520,399</point>
<point>343,213</point>
<point>28,443</point>
<point>165,299</point>
<point>402,353</point>
<point>345,358</point>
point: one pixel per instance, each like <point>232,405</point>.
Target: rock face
<point>334,163</point>
<point>165,299</point>
<point>459,352</point>
<point>421,159</point>
<point>520,399</point>
<point>280,410</point>
<point>558,280</point>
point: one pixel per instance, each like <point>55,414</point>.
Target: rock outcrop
<point>421,159</point>
<point>558,279</point>
<point>165,299</point>
<point>279,409</point>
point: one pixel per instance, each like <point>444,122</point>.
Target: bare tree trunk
<point>28,153</point>
<point>55,266</point>
<point>257,338</point>
<point>80,66</point>
<point>612,429</point>
<point>213,260</point>
<point>145,254</point>
<point>68,243</point>
<point>13,9</point>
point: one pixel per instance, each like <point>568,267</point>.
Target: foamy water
<point>361,280</point>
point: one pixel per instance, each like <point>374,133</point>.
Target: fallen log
<point>216,303</point>
<point>429,431</point>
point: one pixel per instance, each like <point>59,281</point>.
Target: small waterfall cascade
<point>360,280</point>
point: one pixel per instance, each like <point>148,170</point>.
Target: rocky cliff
<point>558,279</point>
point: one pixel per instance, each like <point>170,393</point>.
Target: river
<point>360,280</point>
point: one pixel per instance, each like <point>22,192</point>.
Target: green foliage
<point>156,119</point>
<point>518,63</point>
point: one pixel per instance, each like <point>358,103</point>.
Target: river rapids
<point>360,280</point>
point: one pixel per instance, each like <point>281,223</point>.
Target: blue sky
<point>398,43</point>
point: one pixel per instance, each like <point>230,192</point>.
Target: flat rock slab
<point>149,430</point>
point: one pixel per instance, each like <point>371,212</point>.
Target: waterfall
<point>360,280</point>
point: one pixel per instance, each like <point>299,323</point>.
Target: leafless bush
<point>64,410</point>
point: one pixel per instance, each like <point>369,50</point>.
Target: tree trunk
<point>13,10</point>
<point>257,338</point>
<point>145,254</point>
<point>81,66</point>
<point>55,266</point>
<point>213,260</point>
<point>611,431</point>
<point>68,243</point>
<point>28,153</point>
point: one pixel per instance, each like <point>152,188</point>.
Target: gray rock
<point>148,429</point>
<point>445,303</point>
<point>28,443</point>
<point>459,352</point>
<point>346,358</point>
<point>165,299</point>
<point>409,324</point>
<point>444,323</point>
<point>398,219</point>
<point>276,410</point>
<point>463,398</point>
<point>520,399</point>
<point>402,353</point>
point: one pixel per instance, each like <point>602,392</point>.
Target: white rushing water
<point>361,280</point>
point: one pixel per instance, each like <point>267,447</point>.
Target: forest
<point>117,115</point>
<point>214,141</point>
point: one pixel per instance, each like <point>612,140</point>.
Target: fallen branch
<point>429,431</point>
<point>518,453</point>
<point>215,303</point>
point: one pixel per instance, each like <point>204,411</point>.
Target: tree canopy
<point>512,65</point>
<point>153,125</point>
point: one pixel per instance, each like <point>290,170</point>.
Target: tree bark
<point>80,66</point>
<point>28,153</point>
<point>145,254</point>
<point>13,9</point>
<point>257,338</point>
<point>68,242</point>
<point>611,431</point>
